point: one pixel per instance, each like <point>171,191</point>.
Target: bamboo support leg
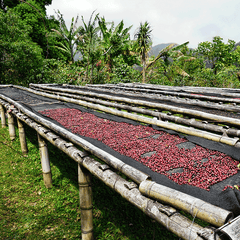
<point>22,137</point>
<point>47,176</point>
<point>85,194</point>
<point>11,126</point>
<point>3,117</point>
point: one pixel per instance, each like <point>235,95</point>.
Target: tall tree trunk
<point>144,72</point>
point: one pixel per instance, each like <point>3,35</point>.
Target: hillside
<point>156,49</point>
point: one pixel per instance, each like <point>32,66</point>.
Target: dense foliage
<point>41,49</point>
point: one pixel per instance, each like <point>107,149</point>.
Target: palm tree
<point>143,41</point>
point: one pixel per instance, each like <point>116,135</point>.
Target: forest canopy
<point>38,48</point>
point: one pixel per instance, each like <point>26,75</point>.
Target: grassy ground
<point>30,211</point>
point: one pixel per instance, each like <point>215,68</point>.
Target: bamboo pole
<point>22,137</point>
<point>165,215</point>
<point>194,206</point>
<point>12,131</point>
<point>3,116</point>
<point>159,106</point>
<point>116,163</point>
<point>168,96</point>
<point>85,194</point>
<point>47,176</point>
<point>167,125</point>
<point>162,116</point>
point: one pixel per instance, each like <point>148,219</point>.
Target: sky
<point>172,21</point>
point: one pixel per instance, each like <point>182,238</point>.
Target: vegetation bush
<point>40,49</point>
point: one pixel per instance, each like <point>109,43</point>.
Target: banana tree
<point>170,57</point>
<point>113,41</point>
<point>68,38</point>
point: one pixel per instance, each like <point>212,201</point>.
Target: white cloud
<point>172,21</point>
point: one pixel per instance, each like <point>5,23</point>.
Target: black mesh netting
<point>228,199</point>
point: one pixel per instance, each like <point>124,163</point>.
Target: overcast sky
<point>172,21</point>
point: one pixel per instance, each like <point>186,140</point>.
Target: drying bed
<point>192,165</point>
<point>180,160</point>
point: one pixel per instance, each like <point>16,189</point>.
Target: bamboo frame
<point>11,127</point>
<point>22,137</point>
<point>165,215</point>
<point>173,90</point>
<point>46,169</point>
<point>161,116</point>
<point>192,205</point>
<point>174,100</point>
<point>3,116</point>
<point>175,127</point>
<point>160,107</point>
<point>126,169</point>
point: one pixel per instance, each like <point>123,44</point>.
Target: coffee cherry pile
<point>200,167</point>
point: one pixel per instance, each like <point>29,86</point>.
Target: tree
<point>217,54</point>
<point>143,40</point>
<point>89,45</point>
<point>173,59</point>
<point>13,3</point>
<point>34,15</point>
<point>114,41</point>
<point>20,58</point>
<point>68,38</point>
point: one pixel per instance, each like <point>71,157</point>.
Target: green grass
<point>30,211</point>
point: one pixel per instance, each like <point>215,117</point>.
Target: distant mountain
<point>156,49</point>
<point>237,44</point>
